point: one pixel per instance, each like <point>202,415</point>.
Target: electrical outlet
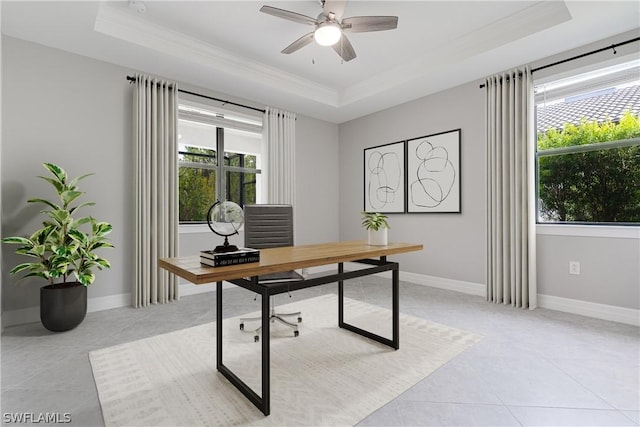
<point>574,267</point>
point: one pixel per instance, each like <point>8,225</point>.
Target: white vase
<point>378,237</point>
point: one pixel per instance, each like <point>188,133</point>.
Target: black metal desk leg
<point>266,362</point>
<point>340,296</point>
<point>218,325</point>
<point>395,278</point>
<point>262,403</point>
<point>394,342</point>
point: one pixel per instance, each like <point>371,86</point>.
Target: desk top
<point>282,259</point>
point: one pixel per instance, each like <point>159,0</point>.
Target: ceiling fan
<point>330,28</point>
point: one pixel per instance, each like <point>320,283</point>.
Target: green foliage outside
<point>241,187</point>
<point>197,185</point>
<point>594,186</point>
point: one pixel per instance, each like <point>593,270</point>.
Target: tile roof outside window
<point>599,105</point>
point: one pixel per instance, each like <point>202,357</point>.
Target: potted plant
<point>63,254</point>
<point>377,226</point>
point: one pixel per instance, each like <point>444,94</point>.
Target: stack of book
<point>219,259</point>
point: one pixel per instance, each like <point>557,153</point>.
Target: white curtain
<point>280,136</point>
<point>511,244</point>
<point>155,120</point>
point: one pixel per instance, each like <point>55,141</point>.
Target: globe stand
<point>234,221</point>
<point>225,247</point>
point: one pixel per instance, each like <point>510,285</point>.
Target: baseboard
<point>613,313</point>
<point>461,286</point>
<point>108,302</point>
<point>187,288</point>
<point>32,314</point>
<point>18,317</point>
<point>584,308</point>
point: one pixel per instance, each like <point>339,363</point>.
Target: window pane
<point>217,162</point>
<point>191,134</point>
<point>241,188</point>
<point>588,147</point>
<point>246,161</point>
<point>196,184</point>
<point>596,186</point>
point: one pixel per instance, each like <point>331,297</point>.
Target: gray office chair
<point>270,226</point>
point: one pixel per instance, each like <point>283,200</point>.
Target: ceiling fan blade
<point>299,44</point>
<point>286,14</point>
<point>344,49</point>
<point>334,6</point>
<point>363,24</point>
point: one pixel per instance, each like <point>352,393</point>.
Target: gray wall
<point>75,111</point>
<point>455,243</point>
<point>609,269</point>
<point>610,266</point>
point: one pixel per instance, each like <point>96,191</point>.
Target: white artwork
<point>384,178</point>
<point>433,173</point>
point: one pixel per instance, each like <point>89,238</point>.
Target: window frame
<point>578,228</point>
<point>215,117</point>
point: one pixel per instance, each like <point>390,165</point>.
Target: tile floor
<point>532,368</point>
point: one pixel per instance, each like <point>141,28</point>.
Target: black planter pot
<point>63,307</point>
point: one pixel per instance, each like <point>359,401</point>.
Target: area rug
<point>326,376</point>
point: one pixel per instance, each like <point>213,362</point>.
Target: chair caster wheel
<point>296,333</point>
<point>256,338</point>
<point>242,326</point>
<point>299,319</point>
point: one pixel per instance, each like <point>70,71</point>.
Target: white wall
<point>75,111</point>
<point>455,243</point>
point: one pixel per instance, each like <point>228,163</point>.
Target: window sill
<point>198,229</point>
<point>193,228</point>
<point>611,231</point>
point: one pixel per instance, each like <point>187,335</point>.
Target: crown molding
<point>526,22</point>
<point>119,24</point>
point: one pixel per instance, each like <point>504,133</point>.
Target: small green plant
<point>374,221</point>
<point>61,248</point>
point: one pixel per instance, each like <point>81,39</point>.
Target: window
<point>588,147</point>
<point>219,158</point>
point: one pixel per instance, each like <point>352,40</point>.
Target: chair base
<point>273,316</point>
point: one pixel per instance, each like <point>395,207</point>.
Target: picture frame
<point>384,178</point>
<point>433,173</point>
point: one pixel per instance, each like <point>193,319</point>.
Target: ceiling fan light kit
<point>330,28</point>
<point>327,34</point>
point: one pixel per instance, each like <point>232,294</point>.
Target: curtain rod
<point>573,58</point>
<point>133,79</point>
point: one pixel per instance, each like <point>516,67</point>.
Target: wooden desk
<point>292,258</point>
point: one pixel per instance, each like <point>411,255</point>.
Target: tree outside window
<point>204,176</point>
<point>588,148</point>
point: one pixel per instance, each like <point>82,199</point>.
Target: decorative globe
<point>225,219</point>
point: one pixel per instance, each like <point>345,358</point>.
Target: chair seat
<point>271,226</point>
<point>282,276</point>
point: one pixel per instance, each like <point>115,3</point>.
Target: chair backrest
<point>268,226</point>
